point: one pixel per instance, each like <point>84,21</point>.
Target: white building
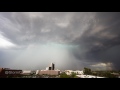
<point>29,72</point>
<point>68,72</point>
<point>26,72</point>
<point>78,72</point>
<point>37,72</point>
<point>47,68</point>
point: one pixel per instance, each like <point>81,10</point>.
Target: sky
<point>71,40</point>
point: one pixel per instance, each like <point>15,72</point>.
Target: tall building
<point>48,68</point>
<point>52,65</point>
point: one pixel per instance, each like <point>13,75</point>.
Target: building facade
<point>10,73</point>
<point>78,72</point>
<point>52,66</point>
<point>49,72</point>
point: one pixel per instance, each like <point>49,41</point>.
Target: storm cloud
<point>72,40</point>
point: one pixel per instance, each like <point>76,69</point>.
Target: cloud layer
<point>72,40</point>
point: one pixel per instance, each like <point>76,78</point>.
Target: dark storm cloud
<point>101,39</point>
<point>94,37</point>
<point>30,27</point>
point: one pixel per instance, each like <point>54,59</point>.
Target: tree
<point>64,75</point>
<point>73,75</point>
<point>87,71</point>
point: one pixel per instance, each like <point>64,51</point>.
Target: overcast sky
<point>71,40</point>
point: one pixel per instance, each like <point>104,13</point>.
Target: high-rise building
<point>52,66</point>
<point>49,70</point>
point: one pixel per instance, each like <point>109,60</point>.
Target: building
<point>78,72</point>
<point>47,68</point>
<point>52,66</point>
<point>49,72</point>
<point>1,70</point>
<point>26,72</point>
<point>9,73</point>
<point>37,72</point>
<point>4,69</point>
<point>68,72</point>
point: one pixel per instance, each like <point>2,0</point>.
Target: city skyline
<point>71,40</point>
